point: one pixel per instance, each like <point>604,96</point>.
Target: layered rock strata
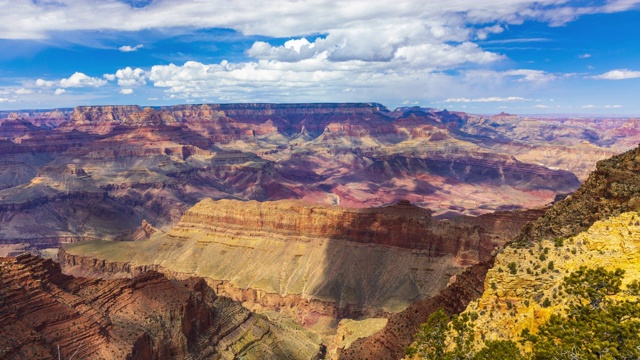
<point>313,263</point>
<point>613,188</point>
<point>597,226</point>
<point>154,163</point>
<point>45,315</point>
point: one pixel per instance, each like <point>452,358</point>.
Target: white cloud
<point>620,74</point>
<point>517,75</point>
<point>540,106</point>
<point>278,18</point>
<point>24,91</point>
<point>126,91</point>
<point>60,91</point>
<point>78,80</point>
<point>486,99</point>
<point>127,48</point>
<point>530,75</point>
<point>395,49</point>
<point>584,56</point>
<point>5,100</point>
<point>315,78</point>
<point>128,77</point>
<point>44,83</point>
<point>483,33</point>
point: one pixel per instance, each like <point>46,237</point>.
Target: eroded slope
<point>313,263</point>
<point>98,171</point>
<point>148,317</point>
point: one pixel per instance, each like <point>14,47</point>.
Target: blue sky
<point>479,56</point>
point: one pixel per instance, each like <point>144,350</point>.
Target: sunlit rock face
<point>134,164</point>
<point>45,315</point>
<point>319,265</point>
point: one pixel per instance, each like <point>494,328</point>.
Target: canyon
<point>98,172</point>
<point>598,226</point>
<point>46,314</point>
<point>316,264</point>
<point>333,228</point>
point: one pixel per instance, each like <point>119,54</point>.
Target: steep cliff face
<point>390,342</point>
<point>154,163</point>
<point>312,263</point>
<point>45,314</point>
<point>597,226</point>
<point>613,188</point>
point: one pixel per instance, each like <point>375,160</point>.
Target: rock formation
<point>390,342</point>
<point>315,264</point>
<point>597,226</point>
<point>45,315</point>
<point>134,164</point>
<point>613,188</point>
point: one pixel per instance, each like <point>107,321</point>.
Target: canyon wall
<point>60,168</point>
<point>313,263</point>
<point>45,314</point>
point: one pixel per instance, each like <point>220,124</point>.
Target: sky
<point>478,56</point>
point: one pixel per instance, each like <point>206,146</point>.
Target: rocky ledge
<point>314,263</point>
<point>45,314</point>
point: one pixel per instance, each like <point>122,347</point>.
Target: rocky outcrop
<point>390,342</point>
<point>154,163</point>
<point>313,263</point>
<point>524,295</point>
<point>597,226</point>
<point>45,314</point>
<point>613,188</point>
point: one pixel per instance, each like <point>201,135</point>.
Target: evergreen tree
<point>430,339</point>
<point>495,350</point>
<point>595,327</point>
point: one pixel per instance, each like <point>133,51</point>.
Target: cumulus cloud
<point>483,33</point>
<point>77,80</point>
<point>348,47</point>
<point>59,91</point>
<point>24,91</point>
<point>278,18</point>
<point>127,48</point>
<point>126,91</point>
<point>620,74</point>
<point>486,99</point>
<point>128,77</point>
<point>44,83</point>
<point>315,78</point>
<point>584,56</point>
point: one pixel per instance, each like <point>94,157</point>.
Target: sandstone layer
<point>316,264</point>
<point>99,171</point>
<point>46,315</point>
<point>515,300</point>
<point>613,188</point>
<point>390,342</point>
<point>597,226</point>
